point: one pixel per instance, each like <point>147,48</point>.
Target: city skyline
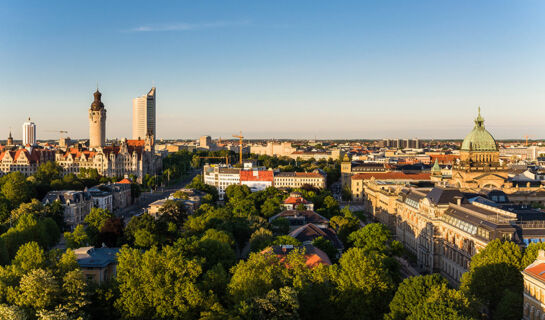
<point>361,70</point>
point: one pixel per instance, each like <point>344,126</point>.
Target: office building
<point>29,133</point>
<point>143,115</point>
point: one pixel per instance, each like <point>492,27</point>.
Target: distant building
<point>299,179</point>
<point>77,205</point>
<point>144,115</point>
<point>280,149</point>
<point>97,264</point>
<point>97,122</point>
<point>316,155</point>
<point>205,142</point>
<point>29,133</point>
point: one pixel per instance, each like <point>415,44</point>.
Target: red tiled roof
<point>313,258</point>
<point>395,175</point>
<point>308,175</point>
<point>295,200</point>
<point>537,271</point>
<point>444,158</point>
<point>136,143</point>
<point>256,175</point>
<point>125,181</point>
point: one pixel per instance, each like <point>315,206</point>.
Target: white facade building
<point>29,133</point>
<point>221,177</point>
<point>143,115</point>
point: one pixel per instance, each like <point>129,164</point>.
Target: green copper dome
<point>479,139</point>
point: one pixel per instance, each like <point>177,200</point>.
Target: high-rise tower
<point>143,115</point>
<point>97,122</point>
<point>29,133</point>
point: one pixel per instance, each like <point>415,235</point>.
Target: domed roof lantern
<point>479,139</point>
<point>97,103</point>
<point>479,121</point>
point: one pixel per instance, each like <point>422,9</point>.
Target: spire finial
<point>479,120</point>
<point>97,85</point>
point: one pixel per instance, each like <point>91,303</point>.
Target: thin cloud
<point>190,26</point>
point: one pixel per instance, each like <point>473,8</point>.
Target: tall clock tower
<point>97,123</point>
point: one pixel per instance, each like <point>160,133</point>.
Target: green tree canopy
<point>77,238</point>
<point>411,293</point>
<point>492,271</point>
<point>444,304</point>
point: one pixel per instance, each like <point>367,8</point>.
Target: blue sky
<point>277,69</point>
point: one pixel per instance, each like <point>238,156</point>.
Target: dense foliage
<point>211,264</point>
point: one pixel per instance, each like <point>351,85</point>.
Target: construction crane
<point>526,137</point>
<point>240,137</point>
<point>226,158</point>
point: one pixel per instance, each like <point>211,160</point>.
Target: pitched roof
<point>90,257</point>
<point>537,271</point>
<point>310,231</point>
<point>299,174</point>
<point>442,196</point>
<point>295,200</point>
<point>125,181</point>
<point>308,215</point>
<point>256,175</point>
<point>394,175</point>
<point>313,255</point>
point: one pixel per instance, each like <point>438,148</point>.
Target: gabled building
<point>307,233</point>
<point>97,264</point>
<point>299,218</point>
<point>130,157</point>
<point>77,205</point>
<point>295,200</point>
<point>24,160</point>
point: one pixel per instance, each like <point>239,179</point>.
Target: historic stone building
<point>24,160</point>
<point>479,164</point>
<point>444,227</point>
<point>130,157</point>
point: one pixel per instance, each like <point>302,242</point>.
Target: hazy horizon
<point>350,70</point>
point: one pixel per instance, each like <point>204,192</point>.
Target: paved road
<point>148,197</point>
